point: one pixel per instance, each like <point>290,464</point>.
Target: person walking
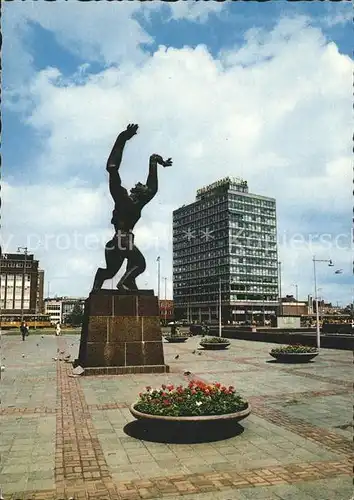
<point>23,330</point>
<point>58,329</point>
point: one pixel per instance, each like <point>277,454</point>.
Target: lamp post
<point>158,276</point>
<point>165,279</point>
<point>220,307</point>
<point>279,278</point>
<point>330,264</point>
<point>25,251</point>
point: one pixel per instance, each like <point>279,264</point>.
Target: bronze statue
<point>126,213</point>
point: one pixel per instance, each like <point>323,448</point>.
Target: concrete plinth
<point>121,333</point>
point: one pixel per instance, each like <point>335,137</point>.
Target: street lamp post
<point>165,300</point>
<point>330,264</point>
<point>279,278</point>
<point>158,277</point>
<point>25,251</point>
<point>220,307</point>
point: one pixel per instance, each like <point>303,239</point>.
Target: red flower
<point>231,388</point>
<point>166,402</point>
<point>170,387</point>
<point>218,385</point>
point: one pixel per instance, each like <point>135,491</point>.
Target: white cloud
<point>277,112</point>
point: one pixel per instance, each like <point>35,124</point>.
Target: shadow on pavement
<point>182,433</point>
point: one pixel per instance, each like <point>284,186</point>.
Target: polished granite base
<point>121,333</point>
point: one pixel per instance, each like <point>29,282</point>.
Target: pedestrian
<point>23,330</point>
<point>57,330</point>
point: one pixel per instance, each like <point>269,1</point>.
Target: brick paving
<point>283,453</point>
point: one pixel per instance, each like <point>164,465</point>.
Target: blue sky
<point>271,79</point>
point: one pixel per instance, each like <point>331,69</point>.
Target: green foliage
<point>293,349</point>
<point>75,318</point>
<point>197,399</point>
<point>214,340</point>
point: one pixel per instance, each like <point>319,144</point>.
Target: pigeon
<point>37,345</point>
<point>194,352</point>
<point>23,355</point>
<point>187,373</point>
<point>2,369</point>
<point>176,357</point>
<point>42,336</point>
<point>199,353</point>
<point>55,359</point>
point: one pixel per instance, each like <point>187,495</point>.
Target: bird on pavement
<point>176,357</point>
<point>199,353</point>
<point>194,352</point>
<point>187,373</point>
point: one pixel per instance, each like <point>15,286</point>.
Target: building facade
<point>59,308</point>
<point>166,310</point>
<point>225,253</point>
<point>21,284</point>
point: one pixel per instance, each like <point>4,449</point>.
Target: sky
<point>261,91</point>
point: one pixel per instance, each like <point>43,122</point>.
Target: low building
<point>166,310</point>
<point>60,308</point>
<point>292,307</point>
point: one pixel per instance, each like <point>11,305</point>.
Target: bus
<point>8,321</point>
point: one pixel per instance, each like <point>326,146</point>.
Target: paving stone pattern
<point>67,437</point>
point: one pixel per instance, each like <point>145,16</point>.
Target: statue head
<point>139,192</point>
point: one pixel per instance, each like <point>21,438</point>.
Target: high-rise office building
<point>225,247</point>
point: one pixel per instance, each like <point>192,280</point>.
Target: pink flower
<point>166,402</point>
<point>170,387</point>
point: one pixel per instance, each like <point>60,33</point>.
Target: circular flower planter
<point>176,339</point>
<point>215,346</point>
<point>229,417</point>
<point>294,357</point>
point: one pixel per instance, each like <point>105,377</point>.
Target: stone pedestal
<point>121,333</point>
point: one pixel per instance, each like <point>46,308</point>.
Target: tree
<point>76,316</point>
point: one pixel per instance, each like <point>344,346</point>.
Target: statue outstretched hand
<point>161,161</point>
<point>130,131</point>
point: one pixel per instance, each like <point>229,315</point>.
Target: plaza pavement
<point>64,437</point>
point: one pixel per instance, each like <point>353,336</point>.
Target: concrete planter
<point>177,339</point>
<point>215,346</point>
<point>294,357</point>
<point>229,417</point>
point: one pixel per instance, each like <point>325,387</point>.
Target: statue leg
<point>136,265</point>
<point>114,260</point>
